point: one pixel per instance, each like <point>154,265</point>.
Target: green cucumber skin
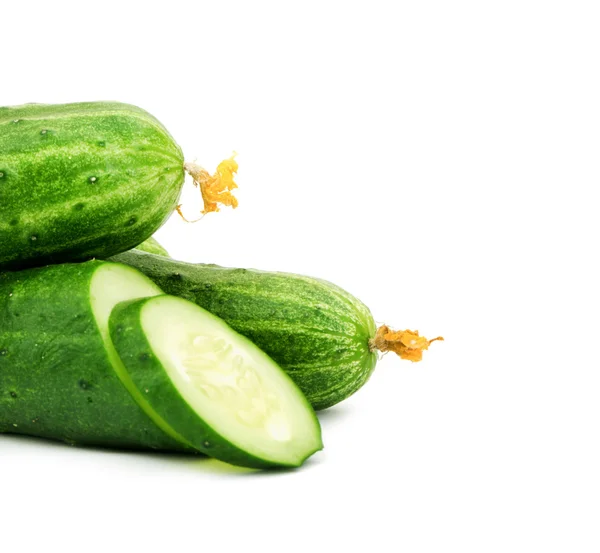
<point>152,246</point>
<point>318,333</point>
<point>56,380</point>
<point>81,181</point>
<point>150,377</point>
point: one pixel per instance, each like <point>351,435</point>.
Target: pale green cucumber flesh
<point>236,403</point>
<point>112,284</point>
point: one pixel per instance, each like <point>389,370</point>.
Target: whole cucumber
<point>84,180</point>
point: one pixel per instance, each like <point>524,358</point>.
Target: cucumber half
<point>214,388</point>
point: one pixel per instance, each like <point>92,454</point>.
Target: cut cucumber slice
<point>112,284</point>
<point>214,387</point>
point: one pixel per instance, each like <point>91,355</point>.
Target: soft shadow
<point>335,414</point>
<point>191,461</point>
<point>114,450</point>
<point>208,465</point>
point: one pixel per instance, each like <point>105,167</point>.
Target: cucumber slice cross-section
<point>213,387</point>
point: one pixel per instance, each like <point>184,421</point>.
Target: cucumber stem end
<point>405,343</point>
<point>215,189</point>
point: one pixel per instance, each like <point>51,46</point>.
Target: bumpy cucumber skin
<point>56,379</point>
<point>85,180</point>
<point>150,378</point>
<point>152,246</point>
<point>318,333</point>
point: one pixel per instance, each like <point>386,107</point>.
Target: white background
<point>436,159</point>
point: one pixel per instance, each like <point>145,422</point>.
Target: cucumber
<point>85,180</point>
<point>60,376</point>
<point>215,388</point>
<point>322,336</point>
<point>152,246</point>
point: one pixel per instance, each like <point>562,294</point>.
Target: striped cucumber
<point>85,180</point>
<point>321,335</point>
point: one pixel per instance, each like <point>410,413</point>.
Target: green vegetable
<point>322,336</point>
<point>179,379</point>
<point>84,180</point>
<point>60,376</point>
<point>212,386</point>
<point>152,246</point>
